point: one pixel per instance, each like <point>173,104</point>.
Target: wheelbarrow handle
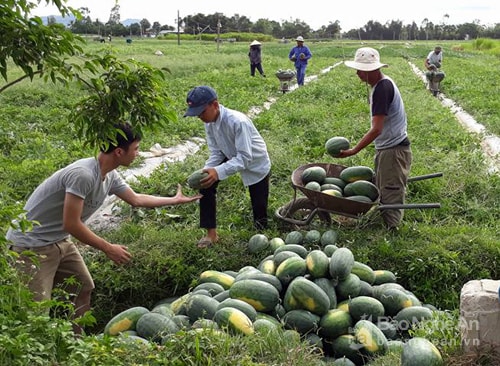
<point>403,206</point>
<point>426,176</point>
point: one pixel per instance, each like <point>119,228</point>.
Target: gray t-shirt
<point>81,178</point>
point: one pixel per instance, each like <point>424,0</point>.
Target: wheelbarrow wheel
<point>301,212</point>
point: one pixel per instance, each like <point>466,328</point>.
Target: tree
<point>297,27</point>
<point>117,90</point>
<point>135,29</point>
<point>470,30</point>
<point>114,16</point>
<point>425,26</point>
<point>332,30</point>
<point>145,25</point>
<point>238,23</point>
<point>156,28</point>
<point>263,26</point>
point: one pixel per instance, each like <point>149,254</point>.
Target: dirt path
<point>490,143</point>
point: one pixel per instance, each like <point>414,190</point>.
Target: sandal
<point>205,243</point>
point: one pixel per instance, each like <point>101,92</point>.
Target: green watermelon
<point>276,242</point>
<point>341,263</point>
<point>419,351</point>
<point>329,237</point>
<point>335,323</point>
<point>126,320</point>
<point>358,172</point>
<point>317,263</point>
<point>313,173</point>
<point>260,294</point>
<point>362,188</point>
<point>245,307</point>
<point>258,243</point>
<point>194,179</point>
<point>334,145</point>
<point>313,186</point>
<point>372,338</point>
<point>294,237</point>
<point>235,320</point>
<point>153,326</point>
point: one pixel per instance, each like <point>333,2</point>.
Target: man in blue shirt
<point>235,147</point>
<point>300,55</point>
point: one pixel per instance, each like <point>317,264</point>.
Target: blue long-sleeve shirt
<point>234,137</point>
<point>296,51</point>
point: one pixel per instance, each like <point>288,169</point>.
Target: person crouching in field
<point>235,146</point>
<point>59,207</point>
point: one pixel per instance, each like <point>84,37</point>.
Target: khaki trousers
<point>52,266</point>
<point>392,167</point>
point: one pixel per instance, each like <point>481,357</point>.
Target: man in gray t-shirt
<point>59,208</point>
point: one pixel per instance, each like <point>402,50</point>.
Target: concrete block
<point>480,315</point>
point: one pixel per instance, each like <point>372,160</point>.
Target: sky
<point>313,12</point>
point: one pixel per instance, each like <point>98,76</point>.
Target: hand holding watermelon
<point>335,145</point>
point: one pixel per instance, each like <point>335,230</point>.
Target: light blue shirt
<point>234,137</point>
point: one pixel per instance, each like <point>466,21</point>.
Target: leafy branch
<point>120,91</point>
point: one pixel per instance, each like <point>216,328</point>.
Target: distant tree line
<point>219,23</point>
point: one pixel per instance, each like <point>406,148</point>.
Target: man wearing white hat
<point>300,56</point>
<point>255,58</point>
<point>388,131</point>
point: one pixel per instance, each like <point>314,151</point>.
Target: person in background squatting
<point>434,59</point>
<point>236,146</point>
<point>61,204</point>
<point>393,155</point>
<point>300,56</point>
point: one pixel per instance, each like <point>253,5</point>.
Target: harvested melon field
<point>316,287</point>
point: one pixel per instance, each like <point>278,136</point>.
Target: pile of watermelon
<point>305,284</point>
<point>354,183</point>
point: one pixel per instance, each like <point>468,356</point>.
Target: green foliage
<point>32,46</point>
<point>482,44</point>
<point>28,336</point>
<point>124,92</point>
<point>443,330</point>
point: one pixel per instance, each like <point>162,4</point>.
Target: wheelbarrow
<point>285,77</point>
<point>302,210</point>
<point>434,78</point>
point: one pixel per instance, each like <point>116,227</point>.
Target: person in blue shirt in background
<point>300,56</point>
<point>235,146</point>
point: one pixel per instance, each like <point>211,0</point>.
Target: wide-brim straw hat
<point>255,43</point>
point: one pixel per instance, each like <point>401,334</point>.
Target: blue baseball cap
<point>198,98</point>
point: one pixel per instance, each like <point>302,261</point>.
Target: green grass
<point>434,253</point>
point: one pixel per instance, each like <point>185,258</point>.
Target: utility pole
<point>218,33</point>
<point>178,29</point>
